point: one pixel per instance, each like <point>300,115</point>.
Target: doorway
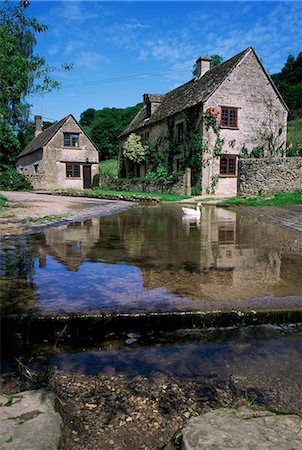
<point>87,177</point>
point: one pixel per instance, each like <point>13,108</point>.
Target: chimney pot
<point>203,64</point>
<point>38,125</point>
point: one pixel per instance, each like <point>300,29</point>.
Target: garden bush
<point>11,180</point>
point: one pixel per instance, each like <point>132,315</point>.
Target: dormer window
<point>71,139</point>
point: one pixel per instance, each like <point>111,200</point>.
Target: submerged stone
<point>29,420</point>
<point>243,428</point>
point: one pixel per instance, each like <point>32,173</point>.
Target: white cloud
<point>90,60</point>
<point>53,50</point>
<point>74,12</point>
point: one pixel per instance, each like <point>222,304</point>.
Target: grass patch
<point>281,198</point>
<point>3,201</point>
<point>294,136</point>
<point>48,218</point>
<point>109,166</point>
<point>162,196</point>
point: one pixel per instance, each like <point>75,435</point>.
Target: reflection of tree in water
<point>18,293</point>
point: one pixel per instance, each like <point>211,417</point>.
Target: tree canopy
<point>105,125</point>
<point>22,72</point>
<point>289,83</point>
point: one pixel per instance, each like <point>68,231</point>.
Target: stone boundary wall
<point>145,185</point>
<point>269,175</point>
<point>37,180</point>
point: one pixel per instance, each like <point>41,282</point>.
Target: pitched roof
<point>43,138</point>
<point>189,94</point>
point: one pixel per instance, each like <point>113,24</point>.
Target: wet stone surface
<point>243,428</point>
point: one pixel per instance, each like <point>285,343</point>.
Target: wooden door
<point>87,177</point>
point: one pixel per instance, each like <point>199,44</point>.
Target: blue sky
<point>122,49</point>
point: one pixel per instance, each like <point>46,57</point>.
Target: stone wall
<point>37,180</point>
<point>269,175</point>
<point>145,185</point>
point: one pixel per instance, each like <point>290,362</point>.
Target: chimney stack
<point>203,64</point>
<point>39,125</point>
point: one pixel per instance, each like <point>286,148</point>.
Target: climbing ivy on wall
<point>193,146</point>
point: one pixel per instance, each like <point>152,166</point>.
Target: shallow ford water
<point>148,258</point>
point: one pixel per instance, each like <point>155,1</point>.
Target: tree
<point>289,83</point>
<point>87,117</point>
<point>105,125</point>
<point>22,73</point>
<point>215,61</point>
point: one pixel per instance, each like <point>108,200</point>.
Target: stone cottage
<point>62,156</point>
<point>206,123</point>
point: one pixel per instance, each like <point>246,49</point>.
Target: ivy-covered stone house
<point>62,156</point>
<point>230,110</point>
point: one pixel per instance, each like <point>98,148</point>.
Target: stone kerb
<point>269,175</point>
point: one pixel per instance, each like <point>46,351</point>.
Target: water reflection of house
<point>227,268</point>
<point>18,293</point>
<point>70,244</point>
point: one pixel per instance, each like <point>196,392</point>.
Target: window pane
<point>231,166</point>
<point>66,140</point>
<point>233,117</point>
<point>223,165</point>
<point>75,140</point>
<point>68,169</point>
<point>224,116</point>
<point>76,170</point>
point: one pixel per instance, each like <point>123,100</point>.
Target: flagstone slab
<point>29,421</point>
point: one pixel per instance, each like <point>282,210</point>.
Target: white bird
<point>192,212</point>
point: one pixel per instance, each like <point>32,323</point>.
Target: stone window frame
<point>71,173</point>
<point>228,172</point>
<point>179,132</point>
<point>68,143</point>
<point>228,124</point>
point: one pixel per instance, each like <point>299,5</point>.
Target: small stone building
<point>60,157</point>
<point>206,123</point>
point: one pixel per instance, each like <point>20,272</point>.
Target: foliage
<point>11,180</point>
<point>109,167</point>
<point>162,196</point>
<point>213,185</point>
<point>161,172</point>
<point>156,154</point>
<point>216,60</point>
<point>289,83</point>
<point>49,218</point>
<point>3,200</point>
<point>105,125</point>
<point>28,133</point>
<point>96,180</point>
<point>134,150</point>
<point>22,73</point>
<point>87,117</point>
<point>210,118</point>
<point>281,198</point>
<point>193,143</point>
<point>9,143</point>
<point>294,138</point>
<point>256,152</point>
